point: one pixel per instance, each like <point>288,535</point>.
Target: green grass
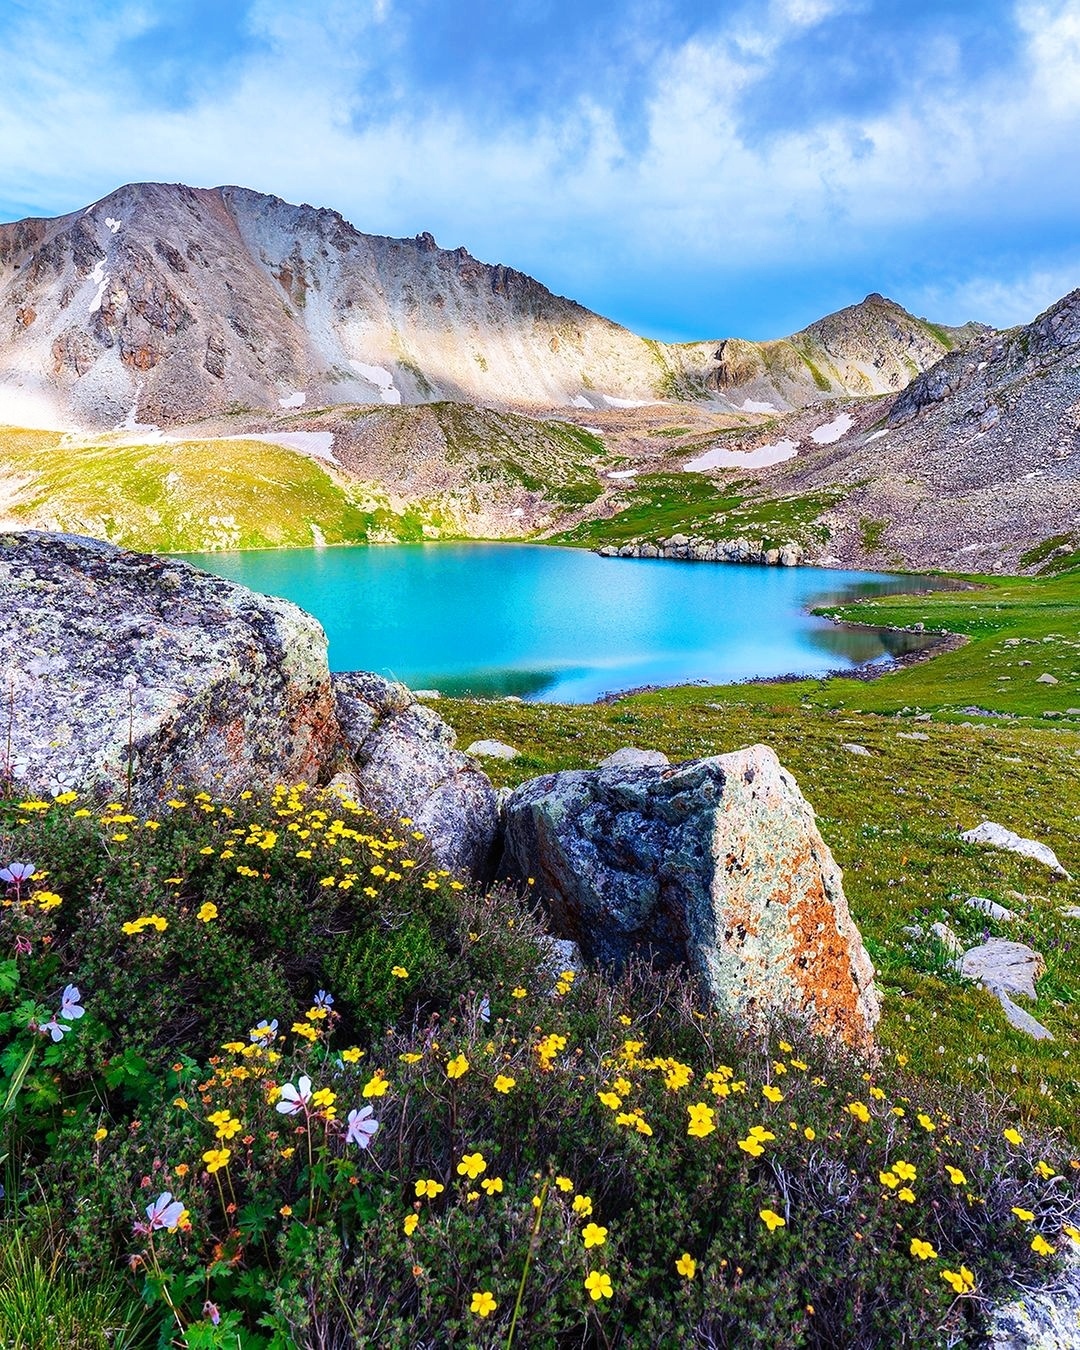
<point>194,495</point>
<point>662,504</point>
<point>893,818</point>
<point>45,1306</point>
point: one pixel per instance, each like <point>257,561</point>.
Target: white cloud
<point>296,119</point>
<point>1000,303</point>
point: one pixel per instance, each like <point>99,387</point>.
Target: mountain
<point>164,304</point>
<point>975,466</point>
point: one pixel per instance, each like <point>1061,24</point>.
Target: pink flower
<point>361,1127</point>
<point>295,1099</point>
<point>165,1212</point>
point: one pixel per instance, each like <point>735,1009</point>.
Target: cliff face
<point>167,304</point>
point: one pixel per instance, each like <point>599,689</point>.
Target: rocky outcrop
<point>117,665</point>
<point>682,548</point>
<point>405,765</point>
<point>716,864</point>
<point>997,836</point>
<point>1047,1319</point>
<point>1010,966</point>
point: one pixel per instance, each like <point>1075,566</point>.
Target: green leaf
<point>9,976</point>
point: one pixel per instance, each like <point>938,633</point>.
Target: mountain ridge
<point>165,304</point>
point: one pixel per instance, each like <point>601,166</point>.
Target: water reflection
<point>562,624</point>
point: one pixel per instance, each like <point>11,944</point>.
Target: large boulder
<point>111,660</point>
<point>405,764</point>
<point>717,864</point>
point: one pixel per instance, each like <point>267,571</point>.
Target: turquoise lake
<point>562,624</point>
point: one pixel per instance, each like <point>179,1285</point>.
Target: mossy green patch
<point>662,504</point>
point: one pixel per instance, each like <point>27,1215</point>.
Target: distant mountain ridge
<point>975,466</point>
<point>168,304</point>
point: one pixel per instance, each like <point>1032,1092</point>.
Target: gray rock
<point>990,908</point>
<point>406,765</point>
<point>947,938</point>
<point>912,736</point>
<point>426,694</point>
<point>492,750</point>
<point>1048,1319</point>
<point>218,688</point>
<point>854,749</point>
<point>630,757</point>
<point>1008,966</point>
<point>1020,1019</point>
<point>558,956</point>
<point>1046,679</point>
<point>997,836</point>
<point>717,864</point>
<point>1071,911</point>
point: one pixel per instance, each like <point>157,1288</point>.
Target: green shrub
<point>574,1136</point>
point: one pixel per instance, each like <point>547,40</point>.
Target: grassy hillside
<point>193,495</point>
<point>661,504</point>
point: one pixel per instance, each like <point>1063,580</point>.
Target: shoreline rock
<point>118,664</point>
<point>682,548</point>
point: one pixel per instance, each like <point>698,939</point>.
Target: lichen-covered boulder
<point>110,658</point>
<point>405,764</point>
<point>717,864</point>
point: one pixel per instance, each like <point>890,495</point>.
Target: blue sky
<point>690,169</point>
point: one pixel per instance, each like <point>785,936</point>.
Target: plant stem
<point>528,1262</point>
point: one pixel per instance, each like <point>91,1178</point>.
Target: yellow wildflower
<point>962,1281</point>
<point>216,1158</point>
<point>598,1284</point>
<point>1041,1247</point>
<point>471,1165</point>
<point>376,1086</point>
<point>207,911</point>
<point>503,1083</point>
<point>429,1189</point>
<point>859,1110</point>
<point>483,1303</point>
<point>771,1220</point>
<point>593,1235</point>
<point>686,1266</point>
<point>582,1206</point>
<point>493,1185</point>
<point>923,1250</point>
<point>457,1067</point>
<point>702,1120</point>
<point>411,1220</point>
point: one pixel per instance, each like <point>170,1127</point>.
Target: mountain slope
<point>168,304</point>
<point>975,466</point>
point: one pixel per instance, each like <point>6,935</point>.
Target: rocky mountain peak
<point>163,303</point>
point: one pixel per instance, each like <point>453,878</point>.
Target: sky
<point>689,169</point>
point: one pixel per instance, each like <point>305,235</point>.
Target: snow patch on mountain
<point>381,378</point>
<point>100,278</point>
<point>722,458</point>
<point>832,431</point>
